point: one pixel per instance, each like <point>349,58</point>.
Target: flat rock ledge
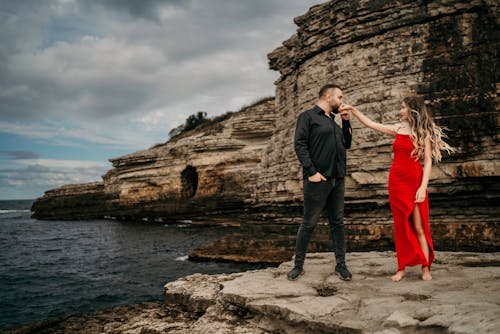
<point>463,297</point>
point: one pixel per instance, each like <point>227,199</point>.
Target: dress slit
<point>427,234</point>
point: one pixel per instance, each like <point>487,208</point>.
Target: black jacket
<point>320,144</point>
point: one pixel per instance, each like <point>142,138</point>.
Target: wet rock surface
<point>463,297</point>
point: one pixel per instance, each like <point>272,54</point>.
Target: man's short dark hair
<point>326,87</point>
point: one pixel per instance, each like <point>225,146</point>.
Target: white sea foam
<point>11,211</point>
<point>181,258</point>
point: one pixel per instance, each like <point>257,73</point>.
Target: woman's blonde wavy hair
<point>422,126</point>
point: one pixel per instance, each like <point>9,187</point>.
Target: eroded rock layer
<point>72,202</point>
<point>209,170</point>
<point>379,52</point>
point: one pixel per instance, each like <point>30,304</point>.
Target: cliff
<point>462,298</point>
<point>72,202</point>
<point>379,51</point>
<point>244,167</point>
<point>205,171</point>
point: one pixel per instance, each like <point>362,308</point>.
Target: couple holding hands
<point>320,144</point>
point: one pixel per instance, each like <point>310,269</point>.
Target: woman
<point>416,137</point>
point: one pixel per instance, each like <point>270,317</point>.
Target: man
<point>320,145</point>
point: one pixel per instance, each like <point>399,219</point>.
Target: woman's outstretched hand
<point>344,111</point>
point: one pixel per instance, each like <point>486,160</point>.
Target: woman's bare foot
<point>426,274</point>
<point>399,276</point>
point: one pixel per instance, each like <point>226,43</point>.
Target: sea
<point>53,268</point>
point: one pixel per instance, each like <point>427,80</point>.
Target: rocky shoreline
<point>462,298</point>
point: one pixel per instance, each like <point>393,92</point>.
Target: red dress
<point>405,177</point>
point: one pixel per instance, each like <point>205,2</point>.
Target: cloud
<point>59,134</point>
<point>32,177</point>
<point>119,74</point>
<point>136,66</point>
<point>19,155</point>
<point>64,164</point>
<point>93,77</point>
<point>147,9</point>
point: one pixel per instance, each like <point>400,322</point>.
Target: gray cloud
<point>19,155</point>
<point>33,179</point>
<point>147,9</point>
<point>119,74</point>
<point>136,66</point>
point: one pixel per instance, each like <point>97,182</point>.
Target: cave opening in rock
<point>189,181</point>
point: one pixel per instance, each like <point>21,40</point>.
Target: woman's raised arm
<point>388,129</point>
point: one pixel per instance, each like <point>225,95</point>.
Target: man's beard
<point>335,110</point>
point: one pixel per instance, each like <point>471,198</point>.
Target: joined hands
<point>344,110</point>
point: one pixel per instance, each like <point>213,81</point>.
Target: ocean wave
<point>12,211</point>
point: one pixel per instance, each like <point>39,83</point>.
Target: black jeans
<point>317,195</point>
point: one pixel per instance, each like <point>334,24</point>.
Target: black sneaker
<point>343,272</point>
<point>293,274</point>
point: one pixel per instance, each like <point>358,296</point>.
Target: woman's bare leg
<point>419,230</point>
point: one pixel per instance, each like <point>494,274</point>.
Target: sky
<point>85,81</point>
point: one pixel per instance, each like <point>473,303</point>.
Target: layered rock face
<point>72,202</point>
<point>201,172</point>
<point>379,52</point>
